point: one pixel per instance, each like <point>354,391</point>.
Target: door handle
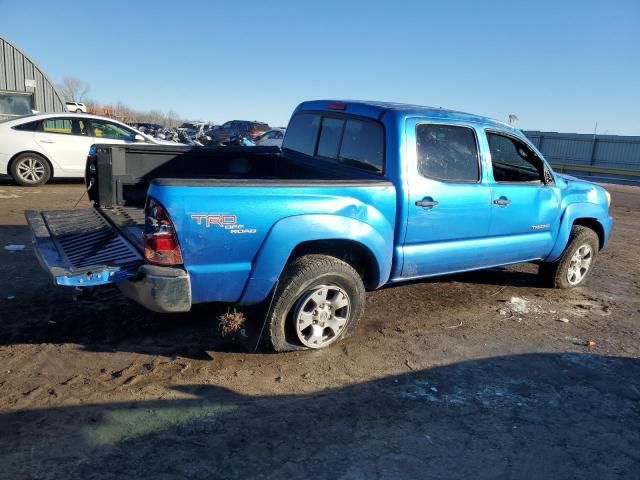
<point>502,201</point>
<point>426,202</point>
<point>47,141</point>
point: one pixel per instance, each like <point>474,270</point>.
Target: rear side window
<point>355,142</point>
<point>363,142</point>
<point>65,126</point>
<point>302,133</point>
<point>28,127</point>
<point>447,153</point>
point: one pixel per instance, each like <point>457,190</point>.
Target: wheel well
<point>12,159</point>
<point>349,251</point>
<point>594,225</point>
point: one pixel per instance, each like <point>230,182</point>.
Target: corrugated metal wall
<point>18,72</point>
<point>600,157</point>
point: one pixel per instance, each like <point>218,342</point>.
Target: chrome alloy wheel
<point>31,170</point>
<point>321,315</point>
<point>580,264</point>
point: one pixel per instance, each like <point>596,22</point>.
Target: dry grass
<point>231,322</point>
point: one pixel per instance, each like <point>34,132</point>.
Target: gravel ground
<point>482,375</point>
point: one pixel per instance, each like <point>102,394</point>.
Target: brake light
<point>337,106</point>
<point>160,241</point>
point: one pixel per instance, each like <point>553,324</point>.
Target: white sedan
<point>271,138</point>
<point>35,148</point>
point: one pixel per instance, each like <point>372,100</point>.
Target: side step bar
<point>80,248</point>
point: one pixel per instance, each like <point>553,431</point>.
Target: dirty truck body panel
<point>240,214</point>
<point>236,239</point>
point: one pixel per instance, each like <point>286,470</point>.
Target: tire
<point>78,111</point>
<point>576,263</point>
<point>30,170</point>
<point>319,300</point>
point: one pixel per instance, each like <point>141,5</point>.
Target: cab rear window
<point>351,141</point>
<point>302,133</point>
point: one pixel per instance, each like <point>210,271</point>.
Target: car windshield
<point>189,125</point>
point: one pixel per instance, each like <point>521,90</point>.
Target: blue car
<point>361,195</point>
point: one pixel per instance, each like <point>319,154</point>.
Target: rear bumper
<point>4,164</point>
<point>161,289</point>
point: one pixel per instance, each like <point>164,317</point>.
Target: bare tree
<point>173,119</point>
<point>124,113</point>
<point>73,89</point>
<point>513,118</point>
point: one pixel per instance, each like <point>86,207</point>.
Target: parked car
<point>237,127</point>
<point>147,126</point>
<point>363,194</point>
<point>272,137</point>
<point>195,128</point>
<point>76,107</point>
<point>35,148</point>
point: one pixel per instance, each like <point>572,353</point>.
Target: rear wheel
<point>576,263</point>
<point>78,111</point>
<point>319,301</point>
<point>30,170</point>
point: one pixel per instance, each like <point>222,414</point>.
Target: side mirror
<point>139,138</point>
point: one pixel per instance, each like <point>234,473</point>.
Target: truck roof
<point>375,109</point>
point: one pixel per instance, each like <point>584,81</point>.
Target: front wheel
<point>319,301</point>
<point>576,263</point>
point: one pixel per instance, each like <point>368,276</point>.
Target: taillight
<point>160,240</point>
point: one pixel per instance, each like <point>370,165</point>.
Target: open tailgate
<point>81,248</point>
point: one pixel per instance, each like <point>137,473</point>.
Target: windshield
<point>189,125</point>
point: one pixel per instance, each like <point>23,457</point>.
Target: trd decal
<point>226,221</point>
<point>544,226</point>
<point>215,219</point>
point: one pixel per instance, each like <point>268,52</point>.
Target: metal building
<point>24,86</point>
<point>606,158</point>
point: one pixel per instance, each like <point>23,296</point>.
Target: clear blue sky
<point>559,65</point>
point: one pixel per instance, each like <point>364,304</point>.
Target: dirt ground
<point>483,375</point>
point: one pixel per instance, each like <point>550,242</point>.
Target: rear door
<point>66,141</point>
<point>525,201</point>
<point>449,200</point>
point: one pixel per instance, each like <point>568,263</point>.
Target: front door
<point>105,131</point>
<point>449,203</point>
<point>525,201</point>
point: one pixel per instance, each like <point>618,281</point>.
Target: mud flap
<point>80,248</point>
<point>251,333</point>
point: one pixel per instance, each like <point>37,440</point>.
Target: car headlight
<point>608,198</point>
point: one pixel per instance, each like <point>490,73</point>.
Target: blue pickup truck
<point>362,194</point>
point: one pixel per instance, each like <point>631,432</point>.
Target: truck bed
<point>128,220</point>
<point>120,175</point>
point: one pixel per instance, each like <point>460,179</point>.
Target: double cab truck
<point>361,195</point>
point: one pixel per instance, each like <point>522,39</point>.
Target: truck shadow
<point>520,416</point>
<point>34,311</point>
